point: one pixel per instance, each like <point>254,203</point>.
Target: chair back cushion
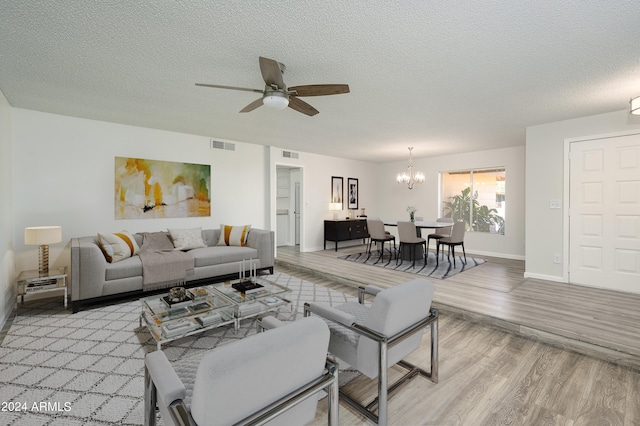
<point>237,380</point>
<point>376,229</point>
<point>393,310</point>
<point>457,233</point>
<point>407,233</point>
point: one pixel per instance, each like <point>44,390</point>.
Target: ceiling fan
<point>277,95</point>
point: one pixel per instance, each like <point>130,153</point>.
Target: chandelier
<point>410,177</point>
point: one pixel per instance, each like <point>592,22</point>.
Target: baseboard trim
<point>553,278</point>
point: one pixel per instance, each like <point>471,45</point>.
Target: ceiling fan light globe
<point>276,101</point>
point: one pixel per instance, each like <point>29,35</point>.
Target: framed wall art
<point>352,193</point>
<point>337,190</point>
<point>161,189</point>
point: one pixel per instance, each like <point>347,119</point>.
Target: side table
<point>31,282</point>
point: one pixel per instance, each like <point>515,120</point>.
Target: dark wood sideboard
<point>344,230</point>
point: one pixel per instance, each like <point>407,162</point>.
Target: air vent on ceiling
<point>223,145</point>
<point>289,154</point>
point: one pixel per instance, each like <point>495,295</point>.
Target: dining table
<point>420,224</point>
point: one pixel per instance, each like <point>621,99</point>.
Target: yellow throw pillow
<point>233,235</point>
<point>118,246</point>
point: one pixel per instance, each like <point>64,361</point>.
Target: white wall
<point>397,197</point>
<point>545,164</point>
<point>317,171</point>
<point>64,175</point>
<point>7,267</point>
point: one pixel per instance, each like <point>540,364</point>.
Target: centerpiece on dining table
<point>412,211</point>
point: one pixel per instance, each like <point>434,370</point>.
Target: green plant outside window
<point>481,202</point>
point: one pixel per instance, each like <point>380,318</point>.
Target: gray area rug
<point>58,368</point>
<point>445,269</point>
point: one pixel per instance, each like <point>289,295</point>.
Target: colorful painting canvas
<point>161,189</point>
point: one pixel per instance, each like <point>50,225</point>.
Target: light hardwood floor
<point>495,367</point>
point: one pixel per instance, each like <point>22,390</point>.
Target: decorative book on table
<point>177,328</point>
<point>41,285</point>
<point>247,287</point>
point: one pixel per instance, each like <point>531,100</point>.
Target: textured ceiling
<point>445,77</point>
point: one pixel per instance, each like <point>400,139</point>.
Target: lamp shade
<point>335,206</point>
<point>634,106</point>
<point>39,235</point>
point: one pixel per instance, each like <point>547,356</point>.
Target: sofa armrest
<point>263,241</point>
<point>88,268</point>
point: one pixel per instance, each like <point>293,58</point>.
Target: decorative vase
<point>412,217</point>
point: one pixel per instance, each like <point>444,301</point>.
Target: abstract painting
<point>161,189</point>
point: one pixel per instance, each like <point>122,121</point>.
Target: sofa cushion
<point>187,239</point>
<point>127,268</point>
<point>118,246</point>
<point>216,255</point>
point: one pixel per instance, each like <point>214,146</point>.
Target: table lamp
<point>335,208</point>
<point>43,236</point>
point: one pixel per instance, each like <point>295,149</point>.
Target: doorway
<point>288,205</point>
<point>604,220</point>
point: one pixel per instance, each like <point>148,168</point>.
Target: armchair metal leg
<point>332,404</point>
<point>150,399</point>
<point>384,390</point>
<point>382,385</point>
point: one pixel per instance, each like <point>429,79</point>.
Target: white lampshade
<point>335,208</point>
<point>634,105</point>
<point>39,235</point>
<point>276,100</point>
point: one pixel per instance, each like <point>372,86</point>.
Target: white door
<point>604,213</point>
<point>297,212</point>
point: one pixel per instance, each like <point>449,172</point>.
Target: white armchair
<point>272,377</point>
<point>372,339</point>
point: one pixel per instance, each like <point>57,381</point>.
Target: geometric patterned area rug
<point>445,269</point>
<point>87,368</point>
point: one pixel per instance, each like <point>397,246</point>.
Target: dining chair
<point>455,239</point>
<point>440,232</point>
<point>377,234</point>
<point>408,237</point>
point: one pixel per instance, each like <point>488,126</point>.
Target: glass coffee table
<point>208,307</point>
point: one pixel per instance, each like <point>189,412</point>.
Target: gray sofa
<point>93,279</point>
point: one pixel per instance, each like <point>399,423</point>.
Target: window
<point>476,197</point>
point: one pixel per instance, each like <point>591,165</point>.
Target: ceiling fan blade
<point>320,89</point>
<point>301,106</point>
<point>217,86</point>
<point>253,105</point>
<point>271,72</point>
